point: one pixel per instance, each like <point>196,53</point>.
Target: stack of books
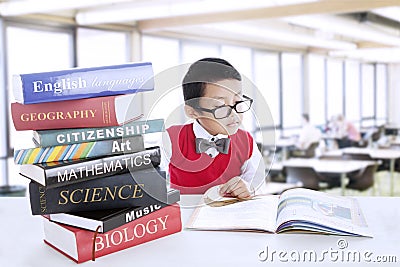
<point>97,186</point>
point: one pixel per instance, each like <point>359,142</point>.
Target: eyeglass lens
<point>225,111</point>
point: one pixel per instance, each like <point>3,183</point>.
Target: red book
<point>83,245</point>
<point>80,113</point>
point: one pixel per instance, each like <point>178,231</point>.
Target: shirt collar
<point>200,132</point>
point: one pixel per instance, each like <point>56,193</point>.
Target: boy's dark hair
<point>203,71</point>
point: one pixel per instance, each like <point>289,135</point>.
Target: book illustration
<point>83,245</point>
<point>78,83</point>
<point>325,208</point>
<point>296,210</point>
<point>142,187</point>
<point>320,207</point>
<point>60,173</point>
<point>79,151</point>
<point>80,113</point>
<point>330,209</point>
<point>79,135</point>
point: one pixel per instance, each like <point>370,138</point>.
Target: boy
<point>213,150</point>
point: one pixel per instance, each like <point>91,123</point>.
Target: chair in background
<point>364,179</point>
<point>390,131</point>
<point>382,165</point>
<point>331,157</point>
<point>307,176</point>
<point>377,134</point>
<point>372,136</point>
<point>331,180</point>
<point>275,173</point>
<point>357,181</point>
<point>364,142</point>
<point>344,142</point>
<point>353,156</point>
<point>305,153</point>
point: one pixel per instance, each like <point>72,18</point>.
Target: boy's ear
<point>191,112</point>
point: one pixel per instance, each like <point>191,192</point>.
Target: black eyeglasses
<point>226,110</point>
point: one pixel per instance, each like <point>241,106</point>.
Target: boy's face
<point>225,92</point>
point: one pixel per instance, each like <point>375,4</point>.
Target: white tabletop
<point>285,142</point>
<point>395,142</point>
<point>328,166</point>
<point>332,135</point>
<point>22,242</point>
<point>333,153</point>
<point>374,152</point>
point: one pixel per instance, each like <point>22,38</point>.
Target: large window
<point>110,47</point>
<point>381,94</point>
<point>48,50</point>
<point>166,100</point>
<point>367,95</point>
<point>352,91</point>
<point>163,53</point>
<point>292,92</point>
<point>193,51</point>
<point>316,85</point>
<point>239,57</point>
<point>334,76</point>
<point>266,78</point>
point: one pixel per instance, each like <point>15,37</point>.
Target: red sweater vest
<point>194,173</point>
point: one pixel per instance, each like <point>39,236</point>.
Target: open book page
<point>258,214</point>
<point>308,210</point>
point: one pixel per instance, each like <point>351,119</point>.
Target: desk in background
<point>22,241</point>
<point>340,167</point>
<point>378,154</point>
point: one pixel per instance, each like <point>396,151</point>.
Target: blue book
<point>78,83</point>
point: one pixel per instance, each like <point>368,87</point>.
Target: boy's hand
<point>235,187</point>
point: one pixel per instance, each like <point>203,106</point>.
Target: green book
<point>81,135</point>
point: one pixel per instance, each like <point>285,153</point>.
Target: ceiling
<point>361,29</point>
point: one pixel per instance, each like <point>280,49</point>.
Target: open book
<point>295,210</point>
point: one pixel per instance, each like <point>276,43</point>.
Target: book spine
<point>99,168</point>
<point>80,135</point>
<point>79,151</point>
<point>138,188</point>
<point>131,215</point>
<point>156,225</point>
<point>81,113</point>
<point>81,83</point>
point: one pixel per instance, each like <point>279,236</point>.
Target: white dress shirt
<point>309,134</point>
